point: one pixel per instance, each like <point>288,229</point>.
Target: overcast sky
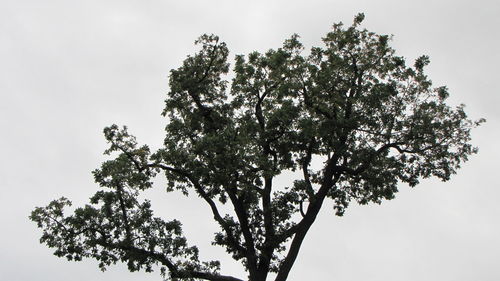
<point>69,68</point>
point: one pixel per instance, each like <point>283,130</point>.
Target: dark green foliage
<point>353,105</point>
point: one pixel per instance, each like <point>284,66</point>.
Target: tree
<point>353,107</point>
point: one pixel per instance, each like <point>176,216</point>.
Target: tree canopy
<point>352,107</point>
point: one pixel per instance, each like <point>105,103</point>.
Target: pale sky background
<point>69,68</point>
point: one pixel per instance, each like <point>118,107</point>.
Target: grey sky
<point>69,68</point>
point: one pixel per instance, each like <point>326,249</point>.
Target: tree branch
<point>268,249</point>
<point>365,165</point>
<point>305,169</point>
<point>174,270</point>
<point>124,212</point>
<point>212,59</point>
<point>242,216</point>
<point>309,103</point>
<point>302,228</point>
<point>199,189</point>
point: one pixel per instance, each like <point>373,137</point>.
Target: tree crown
<point>352,106</point>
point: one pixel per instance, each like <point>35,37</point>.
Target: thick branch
<point>268,249</point>
<point>305,169</point>
<point>258,111</point>
<point>242,216</point>
<point>306,222</point>
<point>174,270</point>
